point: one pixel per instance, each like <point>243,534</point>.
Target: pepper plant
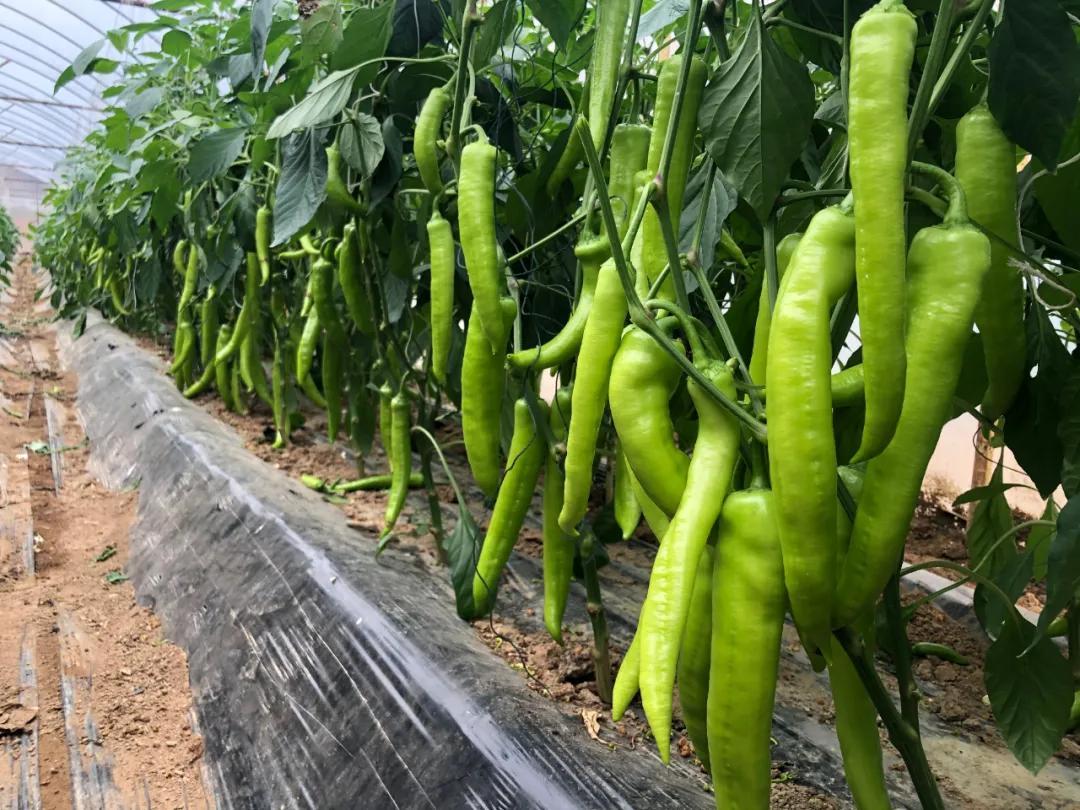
<point>765,250</point>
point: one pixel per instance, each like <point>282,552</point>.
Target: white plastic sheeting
<point>38,40</point>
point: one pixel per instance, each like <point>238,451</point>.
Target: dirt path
<point>95,710</point>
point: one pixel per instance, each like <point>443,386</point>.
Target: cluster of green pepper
<point>730,566</point>
<point>734,464</point>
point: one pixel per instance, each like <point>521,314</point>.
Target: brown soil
<point>126,686</point>
<point>938,532</point>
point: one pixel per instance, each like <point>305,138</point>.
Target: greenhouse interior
<point>551,404</point>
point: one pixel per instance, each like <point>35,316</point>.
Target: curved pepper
<point>663,617</point>
<point>483,379</point>
<point>643,379</point>
<point>523,465</point>
<point>802,457</point>
<point>425,139</point>
<point>946,267</point>
<point>986,169</point>
<point>599,343</point>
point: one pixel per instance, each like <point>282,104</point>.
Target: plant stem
<point>470,21</point>
<point>597,616</point>
<point>797,196</point>
<point>784,21</point>
<point>939,41</point>
<point>901,650</point>
<point>962,49</point>
<point>904,738</point>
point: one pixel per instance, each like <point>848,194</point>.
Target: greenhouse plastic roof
<point>37,42</point>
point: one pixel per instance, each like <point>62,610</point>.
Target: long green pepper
<point>523,465</point>
<point>986,169</point>
<point>559,547</point>
<point>882,49</point>
<point>476,224</point>
<point>946,267</point>
<point>671,584</point>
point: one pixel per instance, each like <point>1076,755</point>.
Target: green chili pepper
<point>263,233</point>
<point>336,189</point>
<point>643,380</point>
<point>335,343</point>
<point>671,584</point>
<point>476,225</point>
<point>280,407</point>
<point>607,47</point>
<point>946,268</point>
<point>221,371</point>
<point>309,339</point>
<point>627,508</point>
<point>882,49</point>
<point>401,468</point>
<point>559,547</point>
<point>599,344</point>
<point>425,139</point>
<point>523,465</point>
<point>248,311</point>
<point>654,256</point>
<point>185,346</point>
<point>747,627</point>
<point>847,386</point>
<point>374,483</point>
<point>759,354</point>
<point>350,279</point>
<point>986,168</point>
<point>627,680</point>
<point>695,658</point>
<point>482,381</point>
<point>208,326</point>
<point>179,257</point>
<point>656,518</point>
<point>441,239</point>
<point>802,455</point>
<point>386,422</point>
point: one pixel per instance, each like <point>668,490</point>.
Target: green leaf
<point>325,100</point>
<point>756,115</point>
<point>1038,540</point>
<point>1034,76</point>
<point>144,102</point>
<point>301,188</point>
<point>981,493</point>
<point>361,143</point>
<point>720,200</point>
<point>415,24</point>
<point>1063,563</point>
<point>558,16</point>
<point>176,43</point>
<point>499,22</point>
<point>212,154</point>
<point>992,518</point>
<point>262,15</point>
<point>322,31</point>
<point>1069,432</point>
<point>1031,423</point>
<point>86,57</point>
<point>462,551</point>
<point>1030,695</point>
<point>366,36</point>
